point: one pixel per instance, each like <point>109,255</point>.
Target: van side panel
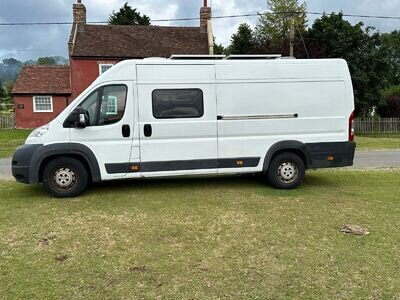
<point>291,101</point>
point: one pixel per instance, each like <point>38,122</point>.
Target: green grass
<point>10,140</point>
<point>207,238</point>
<point>378,142</point>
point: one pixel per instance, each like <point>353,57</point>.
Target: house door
<point>109,135</point>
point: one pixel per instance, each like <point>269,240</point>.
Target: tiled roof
<point>121,41</point>
<point>43,80</point>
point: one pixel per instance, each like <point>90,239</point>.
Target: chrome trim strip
<point>258,117</point>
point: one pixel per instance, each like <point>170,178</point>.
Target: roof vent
<point>258,56</point>
<point>154,58</point>
<point>200,56</point>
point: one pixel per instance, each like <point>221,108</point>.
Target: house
<point>42,92</point>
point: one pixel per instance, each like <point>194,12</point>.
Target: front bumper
<point>21,164</point>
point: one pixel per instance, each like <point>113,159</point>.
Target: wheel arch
<point>292,146</point>
<point>77,151</point>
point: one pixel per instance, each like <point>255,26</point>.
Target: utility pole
<point>291,37</point>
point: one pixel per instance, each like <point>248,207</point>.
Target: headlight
<point>38,132</point>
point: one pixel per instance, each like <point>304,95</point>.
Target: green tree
<point>46,61</point>
<point>128,16</point>
<point>1,91</point>
<point>391,44</point>
<point>362,49</point>
<point>275,24</point>
<point>242,41</point>
<point>218,48</point>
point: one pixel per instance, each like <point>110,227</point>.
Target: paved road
<point>5,165</point>
<point>377,159</point>
<point>362,160</point>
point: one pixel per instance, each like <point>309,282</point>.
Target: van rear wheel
<point>65,177</point>
<point>286,171</point>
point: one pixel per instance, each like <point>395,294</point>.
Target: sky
<point>30,42</point>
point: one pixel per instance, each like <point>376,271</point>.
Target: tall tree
<point>128,16</point>
<point>362,49</point>
<point>275,24</point>
<point>242,41</point>
<point>391,44</point>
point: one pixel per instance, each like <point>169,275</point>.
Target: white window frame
<point>40,111</point>
<point>104,65</point>
<point>114,106</point>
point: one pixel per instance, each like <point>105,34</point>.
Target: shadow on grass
<point>245,181</point>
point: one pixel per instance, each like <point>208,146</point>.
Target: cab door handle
<point>147,130</point>
<point>126,130</point>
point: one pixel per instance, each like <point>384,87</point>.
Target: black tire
<point>65,177</point>
<point>286,171</point>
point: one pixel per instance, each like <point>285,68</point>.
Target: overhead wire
<point>213,17</point>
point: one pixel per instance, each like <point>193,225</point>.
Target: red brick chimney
<point>79,13</point>
<point>78,23</point>
<point>205,16</point>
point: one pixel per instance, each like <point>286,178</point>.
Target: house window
<point>42,104</point>
<point>177,103</point>
<point>104,67</point>
<point>112,108</point>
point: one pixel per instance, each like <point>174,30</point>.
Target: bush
<point>391,106</point>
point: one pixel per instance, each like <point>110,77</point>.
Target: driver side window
<point>106,105</point>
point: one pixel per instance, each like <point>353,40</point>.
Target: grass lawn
<point>10,140</point>
<point>229,237</point>
<point>378,141</point>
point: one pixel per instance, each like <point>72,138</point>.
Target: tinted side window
<point>177,103</point>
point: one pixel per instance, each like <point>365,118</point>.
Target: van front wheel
<point>65,177</point>
<point>286,171</point>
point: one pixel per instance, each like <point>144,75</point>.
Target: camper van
<point>196,115</point>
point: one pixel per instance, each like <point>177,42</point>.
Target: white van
<point>191,116</point>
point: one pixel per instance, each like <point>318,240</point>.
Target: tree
<point>46,61</point>
<point>362,49</point>
<point>242,41</point>
<point>218,48</point>
<point>6,97</point>
<point>128,16</point>
<point>1,91</point>
<point>275,25</point>
<point>9,69</point>
<point>391,44</point>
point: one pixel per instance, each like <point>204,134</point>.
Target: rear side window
<point>177,103</point>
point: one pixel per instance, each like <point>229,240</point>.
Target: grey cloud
<point>51,40</point>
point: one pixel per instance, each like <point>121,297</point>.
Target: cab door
<point>111,125</point>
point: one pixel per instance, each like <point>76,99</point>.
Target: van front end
<point>21,164</point>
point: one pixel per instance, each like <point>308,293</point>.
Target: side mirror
<point>78,118</point>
